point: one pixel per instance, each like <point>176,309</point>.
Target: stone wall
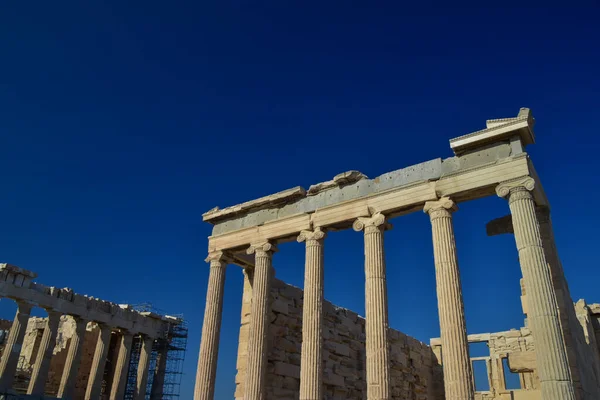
<point>517,349</point>
<point>415,371</point>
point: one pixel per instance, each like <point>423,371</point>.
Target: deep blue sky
<point>122,122</point>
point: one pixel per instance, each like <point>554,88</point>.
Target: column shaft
<point>311,363</point>
<point>12,349</point>
<point>377,344</point>
<point>37,383</point>
<point>158,382</point>
<point>456,364</point>
<point>211,328</point>
<point>69,377</point>
<point>259,322</point>
<point>553,368</point>
<point>143,365</point>
<point>94,385</point>
<point>119,382</point>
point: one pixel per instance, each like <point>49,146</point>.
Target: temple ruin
<point>295,345</point>
<point>86,348</point>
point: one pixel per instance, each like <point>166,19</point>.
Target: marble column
<point>456,363</point>
<point>311,363</point>
<point>259,321</point>
<point>143,365</point>
<point>69,376</point>
<point>94,385</point>
<point>117,391</point>
<point>37,383</point>
<point>211,328</point>
<point>377,344</point>
<point>158,381</point>
<point>553,368</point>
<point>12,349</point>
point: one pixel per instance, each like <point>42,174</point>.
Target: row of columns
<point>458,377</point>
<point>37,383</point>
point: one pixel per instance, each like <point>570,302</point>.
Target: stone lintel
<point>271,200</point>
<point>460,186</point>
<point>66,302</point>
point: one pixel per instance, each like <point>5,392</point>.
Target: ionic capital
<point>504,189</point>
<point>377,220</point>
<point>442,207</point>
<point>262,247</point>
<point>217,259</point>
<point>316,234</point>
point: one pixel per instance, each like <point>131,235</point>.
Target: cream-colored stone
<point>69,375</point>
<point>97,372</point>
<point>377,344</point>
<point>311,365</point>
<point>553,368</point>
<point>257,340</point>
<point>458,379</point>
<point>211,328</point>
<point>12,349</point>
<point>39,375</point>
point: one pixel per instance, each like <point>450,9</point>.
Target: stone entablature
<point>16,283</point>
<point>351,195</point>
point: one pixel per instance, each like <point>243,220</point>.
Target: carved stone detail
<point>505,188</point>
<point>211,328</point>
<point>458,379</point>
<point>311,363</point>
<point>259,320</point>
<point>377,343</point>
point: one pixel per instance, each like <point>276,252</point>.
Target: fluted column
<point>259,321</point>
<point>456,364</point>
<point>553,368</point>
<point>12,349</point>
<point>69,376</point>
<point>158,381</point>
<point>122,367</point>
<point>37,383</point>
<point>211,328</point>
<point>311,363</point>
<point>377,344</point>
<point>94,385</point>
<point>143,365</point>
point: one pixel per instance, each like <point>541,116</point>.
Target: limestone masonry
<point>295,345</point>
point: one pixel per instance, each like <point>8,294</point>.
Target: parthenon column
<point>458,378</point>
<point>12,349</point>
<point>122,367</point>
<point>259,321</point>
<point>311,364</point>
<point>37,383</point>
<point>211,328</point>
<point>94,385</point>
<point>553,368</point>
<point>143,365</point>
<point>378,373</point>
<point>71,368</point>
<point>158,381</point>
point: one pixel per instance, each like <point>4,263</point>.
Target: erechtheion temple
<point>295,345</point>
<point>86,348</point>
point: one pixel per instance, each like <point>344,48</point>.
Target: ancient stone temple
<point>295,345</point>
<point>86,348</point>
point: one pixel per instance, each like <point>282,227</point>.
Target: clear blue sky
<point>122,122</point>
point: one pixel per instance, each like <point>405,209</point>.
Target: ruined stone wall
<point>518,349</point>
<point>415,372</point>
<point>29,350</point>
